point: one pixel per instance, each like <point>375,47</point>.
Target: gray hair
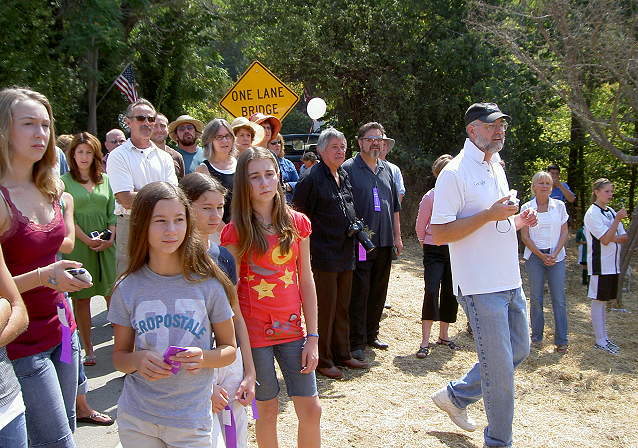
<point>210,131</point>
<point>139,102</point>
<point>327,135</point>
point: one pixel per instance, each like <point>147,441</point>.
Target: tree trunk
<point>91,86</point>
<point>629,248</point>
<point>575,171</point>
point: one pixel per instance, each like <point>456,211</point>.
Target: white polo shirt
<point>546,233</point>
<point>131,168</point>
<point>486,260</point>
<point>602,259</point>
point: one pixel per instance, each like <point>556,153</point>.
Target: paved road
<point>105,385</point>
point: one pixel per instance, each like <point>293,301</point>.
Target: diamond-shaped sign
<point>259,90</point>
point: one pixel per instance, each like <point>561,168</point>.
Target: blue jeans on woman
<point>537,272</point>
<point>14,434</point>
<point>501,335</point>
<point>49,388</point>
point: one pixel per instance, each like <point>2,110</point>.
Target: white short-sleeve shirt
<point>131,168</point>
<point>602,259</point>
<point>546,233</point>
<point>486,260</point>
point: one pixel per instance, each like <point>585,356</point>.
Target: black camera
<point>357,228</point>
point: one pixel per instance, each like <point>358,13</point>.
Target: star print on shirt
<point>287,278</point>
<point>264,289</point>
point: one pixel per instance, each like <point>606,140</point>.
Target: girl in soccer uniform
<point>604,233</point>
<point>270,242</point>
<point>171,294</point>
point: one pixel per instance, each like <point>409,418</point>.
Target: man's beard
<point>187,141</point>
<point>489,146</point>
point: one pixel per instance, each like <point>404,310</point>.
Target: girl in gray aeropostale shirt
<point>171,294</point>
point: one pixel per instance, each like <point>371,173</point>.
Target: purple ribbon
<point>362,253</point>
<point>230,430</point>
<point>375,199</point>
<point>255,413</point>
<point>66,354</point>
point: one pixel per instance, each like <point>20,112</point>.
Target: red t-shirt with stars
<point>268,287</point>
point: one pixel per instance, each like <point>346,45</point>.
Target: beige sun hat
<point>243,122</point>
<point>184,119</point>
<point>390,142</point>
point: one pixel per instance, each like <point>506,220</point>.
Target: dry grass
<point>585,398</point>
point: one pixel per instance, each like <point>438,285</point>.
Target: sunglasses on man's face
<point>141,118</point>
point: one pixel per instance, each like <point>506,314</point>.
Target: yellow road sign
<point>259,90</point>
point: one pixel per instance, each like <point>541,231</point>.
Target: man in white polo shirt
<point>132,165</point>
<point>473,214</point>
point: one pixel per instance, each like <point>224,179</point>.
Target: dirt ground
<point>585,398</point>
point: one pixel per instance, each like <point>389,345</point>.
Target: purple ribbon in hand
<point>66,354</point>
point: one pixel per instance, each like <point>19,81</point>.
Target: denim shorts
<point>288,357</point>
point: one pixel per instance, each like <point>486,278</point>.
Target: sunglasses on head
<point>141,118</point>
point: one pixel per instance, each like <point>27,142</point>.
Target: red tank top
<point>27,246</point>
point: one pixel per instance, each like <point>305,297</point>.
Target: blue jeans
<point>49,388</point>
<point>499,323</point>
<point>14,434</point>
<point>555,275</point>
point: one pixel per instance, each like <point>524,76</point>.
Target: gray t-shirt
<point>163,311</point>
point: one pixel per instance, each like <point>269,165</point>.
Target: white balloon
<point>316,108</point>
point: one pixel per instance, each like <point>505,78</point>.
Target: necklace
<point>267,227</point>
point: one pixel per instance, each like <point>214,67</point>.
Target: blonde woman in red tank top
<point>31,231</point>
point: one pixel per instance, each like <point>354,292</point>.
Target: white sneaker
<point>607,348</point>
<point>457,415</point>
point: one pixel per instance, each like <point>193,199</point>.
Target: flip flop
<point>90,360</point>
<point>93,419</point>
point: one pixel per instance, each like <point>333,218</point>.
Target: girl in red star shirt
<point>270,243</point>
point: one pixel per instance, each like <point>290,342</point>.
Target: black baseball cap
<point>486,112</point>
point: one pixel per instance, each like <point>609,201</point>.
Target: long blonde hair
<point>197,265</point>
<point>41,173</point>
<point>251,235</point>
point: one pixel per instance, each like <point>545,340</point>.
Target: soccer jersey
<point>601,258</point>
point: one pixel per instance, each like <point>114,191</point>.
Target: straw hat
<point>243,122</point>
<point>184,119</point>
<point>274,122</point>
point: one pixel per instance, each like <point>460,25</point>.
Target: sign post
<point>259,90</point>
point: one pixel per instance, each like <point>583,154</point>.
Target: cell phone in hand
<point>81,274</point>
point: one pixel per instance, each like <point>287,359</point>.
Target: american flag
<point>126,83</point>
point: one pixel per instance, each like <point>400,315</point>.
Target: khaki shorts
<point>121,243</point>
<point>136,433</point>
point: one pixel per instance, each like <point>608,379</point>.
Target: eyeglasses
<point>117,142</point>
<point>373,138</point>
<point>494,126</point>
<point>186,127</point>
<point>141,118</point>
<point>276,142</point>
<point>219,138</point>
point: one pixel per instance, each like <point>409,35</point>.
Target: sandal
<point>561,348</point>
<point>423,352</point>
<point>90,360</point>
<point>96,418</point>
<point>451,344</point>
